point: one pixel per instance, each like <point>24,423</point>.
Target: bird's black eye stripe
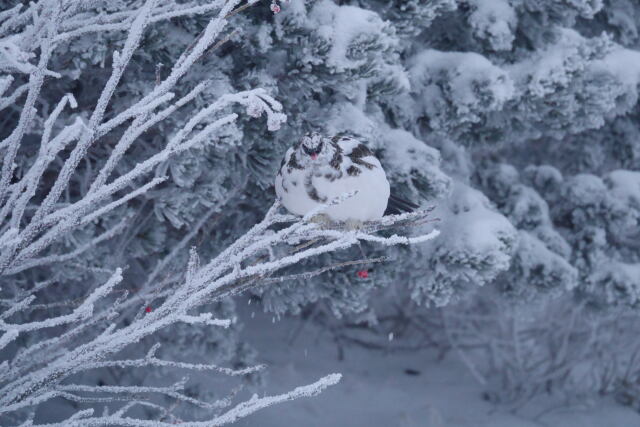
<point>313,151</point>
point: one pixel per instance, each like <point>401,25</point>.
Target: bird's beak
<point>314,156</point>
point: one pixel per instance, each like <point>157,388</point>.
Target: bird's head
<point>312,147</point>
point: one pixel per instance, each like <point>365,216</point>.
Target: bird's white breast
<point>296,188</point>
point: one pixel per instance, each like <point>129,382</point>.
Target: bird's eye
<point>312,151</point>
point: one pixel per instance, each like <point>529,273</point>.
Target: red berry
<point>363,274</point>
<point>148,309</point>
<point>275,8</point>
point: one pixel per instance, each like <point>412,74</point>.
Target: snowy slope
<point>376,392</point>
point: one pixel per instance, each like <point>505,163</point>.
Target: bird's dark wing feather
<point>397,206</point>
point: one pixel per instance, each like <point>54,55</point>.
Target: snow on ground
<point>375,391</point>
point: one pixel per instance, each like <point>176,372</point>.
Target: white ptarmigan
<point>318,169</point>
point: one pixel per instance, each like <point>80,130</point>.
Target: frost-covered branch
<point>48,224</point>
<point>59,203</point>
<point>240,411</point>
<point>234,270</point>
<point>39,215</point>
<point>11,331</point>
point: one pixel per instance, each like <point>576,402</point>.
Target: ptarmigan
<point>318,169</point>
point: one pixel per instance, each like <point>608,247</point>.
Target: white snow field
<point>375,391</point>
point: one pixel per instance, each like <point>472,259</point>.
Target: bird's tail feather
<point>396,206</point>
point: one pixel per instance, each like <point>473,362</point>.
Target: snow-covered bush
<point>525,113</point>
<point>556,348</point>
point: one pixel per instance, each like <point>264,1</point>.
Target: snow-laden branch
<point>151,360</point>
<point>48,224</point>
<point>229,273</point>
<point>85,310</point>
<point>40,219</point>
<point>90,334</point>
<point>242,410</point>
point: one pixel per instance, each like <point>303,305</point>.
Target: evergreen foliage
<point>516,119</point>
